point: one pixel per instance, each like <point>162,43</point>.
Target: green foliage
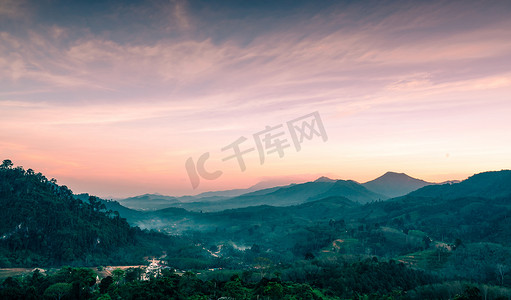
<point>58,290</point>
<point>43,224</point>
<point>459,290</point>
<point>360,280</point>
<point>235,289</point>
<point>118,274</point>
<point>105,284</point>
<point>6,164</point>
<point>274,290</point>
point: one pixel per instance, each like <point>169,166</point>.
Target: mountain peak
<point>395,184</point>
<point>324,179</point>
<point>395,174</point>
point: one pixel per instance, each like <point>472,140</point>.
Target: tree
<point>133,274</point>
<point>118,274</point>
<point>82,279</point>
<point>11,289</point>
<point>234,289</point>
<point>96,204</point>
<point>58,290</point>
<point>255,248</point>
<point>105,284</point>
<point>6,164</point>
<point>274,290</point>
<point>501,271</point>
<point>427,241</point>
<point>263,264</point>
<point>189,284</point>
<point>470,293</point>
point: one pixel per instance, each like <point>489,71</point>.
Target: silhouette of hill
<point>149,202</point>
<point>491,184</point>
<point>351,190</point>
<point>393,184</point>
<point>44,224</point>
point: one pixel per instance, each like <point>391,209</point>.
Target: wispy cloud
<point>12,8</point>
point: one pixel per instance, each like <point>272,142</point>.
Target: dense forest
<point>43,224</point>
<point>367,279</point>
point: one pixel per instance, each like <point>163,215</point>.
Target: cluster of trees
<point>67,283</point>
<point>317,280</point>
<point>460,290</point>
<point>43,224</point>
<point>368,279</point>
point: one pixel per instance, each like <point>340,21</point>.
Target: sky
<point>113,98</point>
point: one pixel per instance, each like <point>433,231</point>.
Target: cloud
<point>313,57</point>
<point>12,8</point>
<point>317,64</point>
<point>180,14</point>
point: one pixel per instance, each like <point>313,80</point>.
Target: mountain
<point>293,194</point>
<point>394,184</point>
<point>222,194</point>
<point>286,195</point>
<point>473,210</point>
<point>491,184</point>
<point>351,190</point>
<point>149,202</point>
<point>275,182</point>
<point>324,179</point>
<point>449,182</point>
<point>263,185</point>
<point>112,205</point>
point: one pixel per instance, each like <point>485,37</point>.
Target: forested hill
<point>43,224</point>
<point>490,185</point>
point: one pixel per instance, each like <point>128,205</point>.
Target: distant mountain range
<point>293,194</point>
<point>326,197</point>
<point>389,185</point>
<point>149,202</point>
<point>267,193</point>
<point>320,199</point>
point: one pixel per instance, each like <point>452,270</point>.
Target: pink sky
<point>112,100</point>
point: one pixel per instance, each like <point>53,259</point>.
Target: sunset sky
<point>112,99</point>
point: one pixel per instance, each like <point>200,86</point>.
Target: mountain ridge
<point>393,184</point>
<point>490,184</point>
<point>389,185</point>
